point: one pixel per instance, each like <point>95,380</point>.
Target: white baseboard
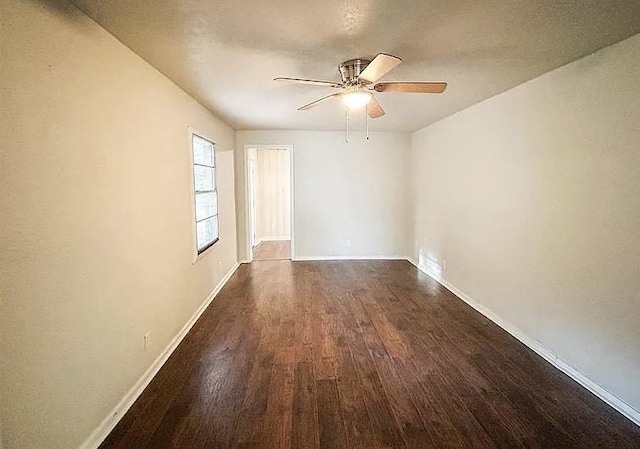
<point>601,392</point>
<point>273,239</point>
<point>319,258</point>
<point>106,426</point>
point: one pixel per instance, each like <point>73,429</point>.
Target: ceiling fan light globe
<point>356,100</point>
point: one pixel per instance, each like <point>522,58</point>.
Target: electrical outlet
<point>147,340</point>
<point>444,264</point>
<point>347,243</point>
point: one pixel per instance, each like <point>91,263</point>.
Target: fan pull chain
<point>346,125</point>
<point>366,119</point>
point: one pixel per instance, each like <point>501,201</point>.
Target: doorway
<point>269,182</point>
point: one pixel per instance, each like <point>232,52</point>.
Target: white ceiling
<point>225,53</point>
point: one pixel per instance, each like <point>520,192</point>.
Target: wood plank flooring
<point>358,354</point>
<point>275,250</point>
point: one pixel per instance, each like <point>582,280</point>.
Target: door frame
<point>249,193</point>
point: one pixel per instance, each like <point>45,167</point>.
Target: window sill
<point>206,250</point>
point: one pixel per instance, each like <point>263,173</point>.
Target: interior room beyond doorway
<point>270,189</point>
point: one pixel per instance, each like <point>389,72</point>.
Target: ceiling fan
<point>359,78</point>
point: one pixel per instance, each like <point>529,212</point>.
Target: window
<point>206,196</point>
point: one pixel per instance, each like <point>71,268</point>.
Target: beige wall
<point>533,200</point>
<point>273,194</point>
<point>96,231</point>
<point>350,198</point>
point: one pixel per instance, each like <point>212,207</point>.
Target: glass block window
<point>206,195</point>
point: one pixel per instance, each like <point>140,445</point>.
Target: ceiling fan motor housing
<point>350,70</point>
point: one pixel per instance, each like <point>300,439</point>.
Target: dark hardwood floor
<point>276,250</point>
<point>358,354</point>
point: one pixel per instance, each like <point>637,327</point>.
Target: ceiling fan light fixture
<point>356,99</point>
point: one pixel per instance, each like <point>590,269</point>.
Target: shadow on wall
<point>62,8</point>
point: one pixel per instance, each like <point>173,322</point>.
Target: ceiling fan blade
<point>380,66</point>
<point>310,82</point>
<point>313,103</point>
<point>420,88</point>
<point>374,109</point>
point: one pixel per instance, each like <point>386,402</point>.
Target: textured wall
<point>351,199</point>
<point>96,233</point>
<point>530,204</point>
